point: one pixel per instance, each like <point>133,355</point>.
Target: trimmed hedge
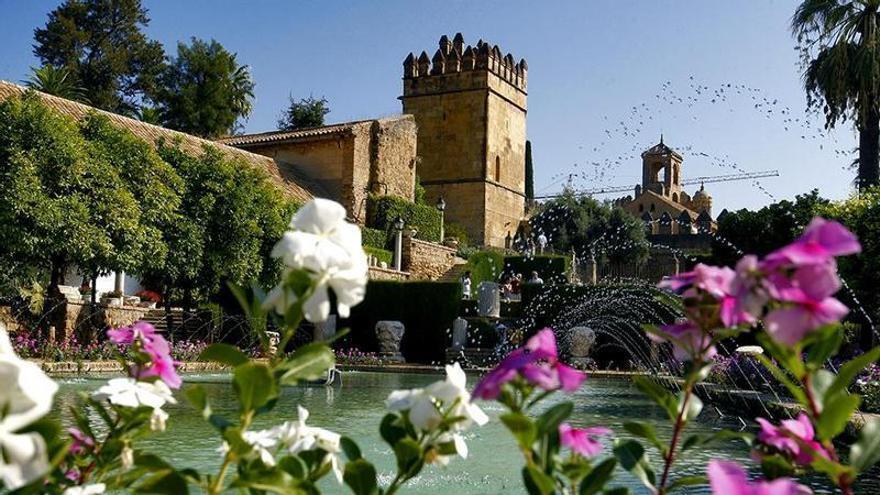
<point>380,254</point>
<point>382,211</point>
<point>485,266</point>
<point>374,238</point>
<point>426,309</point>
<point>553,268</point>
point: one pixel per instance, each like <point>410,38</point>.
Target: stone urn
<point>580,343</point>
<point>390,333</point>
<point>459,333</point>
<point>489,300</point>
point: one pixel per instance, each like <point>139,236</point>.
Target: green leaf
<point>822,381</point>
<point>522,427</point>
<point>686,481</point>
<point>360,476</point>
<point>351,449</point>
<point>550,420</point>
<point>294,466</point>
<point>659,395</point>
<point>633,458</point>
<point>697,440</point>
<point>835,416</point>
<point>596,480</point>
<point>793,389</point>
<point>827,341</point>
<point>866,451</point>
<point>848,372</point>
<point>162,477</point>
<point>537,482</point>
<point>775,466</point>
<point>224,354</point>
<point>833,470</point>
<point>391,430</point>
<point>647,432</point>
<point>409,457</point>
<point>309,362</point>
<point>254,384</point>
<point>788,356</point>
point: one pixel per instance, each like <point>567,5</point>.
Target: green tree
<point>62,203</point>
<point>56,81</point>
<point>204,91</point>
<point>307,112</point>
<point>762,231</point>
<point>582,224</point>
<point>842,70</point>
<point>530,175</point>
<point>103,46</point>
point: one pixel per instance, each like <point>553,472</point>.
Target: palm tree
<point>843,75</point>
<point>57,81</point>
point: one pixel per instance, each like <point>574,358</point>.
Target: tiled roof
<point>275,136</point>
<point>294,184</point>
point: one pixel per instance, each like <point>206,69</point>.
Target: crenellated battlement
<point>454,57</point>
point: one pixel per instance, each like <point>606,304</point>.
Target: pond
<point>355,409</point>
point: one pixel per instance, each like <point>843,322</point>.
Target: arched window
<point>653,207</point>
<point>641,208</point>
<point>497,168</point>
<point>675,197</point>
<point>675,176</point>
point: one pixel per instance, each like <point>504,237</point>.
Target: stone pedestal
<point>489,302</point>
<point>390,333</point>
<point>325,330</point>
<point>459,334</point>
<point>274,340</point>
<point>580,343</point>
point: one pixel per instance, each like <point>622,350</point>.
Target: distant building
<point>663,205</point>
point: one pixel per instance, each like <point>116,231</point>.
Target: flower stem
<point>843,482</point>
<point>669,458</point>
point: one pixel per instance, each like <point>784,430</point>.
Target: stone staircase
<point>156,317</point>
<point>454,274</point>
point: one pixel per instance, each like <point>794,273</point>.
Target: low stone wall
<point>426,260</point>
<point>73,367</point>
<point>82,320</point>
<point>379,273</point>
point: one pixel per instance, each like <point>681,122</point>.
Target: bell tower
<point>469,103</point>
<point>661,171</point>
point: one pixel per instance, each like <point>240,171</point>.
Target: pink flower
<point>584,441</point>
<point>688,341</point>
<point>789,324</point>
<point>127,335</point>
<point>821,241</point>
<point>164,367</point>
<point>154,346</point>
<point>537,362</point>
<point>794,437</point>
<point>81,441</point>
<point>713,280</point>
<point>729,478</point>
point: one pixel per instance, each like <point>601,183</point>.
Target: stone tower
<point>469,103</point>
<point>661,158</point>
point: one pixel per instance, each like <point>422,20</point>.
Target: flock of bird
<point>616,152</point>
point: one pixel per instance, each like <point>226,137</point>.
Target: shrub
<point>374,238</point>
<point>458,232</point>
<point>426,309</point>
<point>552,268</point>
<point>485,266</point>
<point>148,295</point>
<point>380,254</point>
<point>382,211</point>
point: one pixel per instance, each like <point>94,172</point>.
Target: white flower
<point>26,459</point>
<point>127,458</point>
<point>448,397</point>
<point>295,437</point>
<point>329,249</point>
<point>26,395</point>
<point>93,489</point>
<point>128,392</point>
<point>158,420</point>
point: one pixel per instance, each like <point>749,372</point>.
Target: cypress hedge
<point>382,211</point>
<point>426,309</point>
<point>374,238</point>
<point>551,267</point>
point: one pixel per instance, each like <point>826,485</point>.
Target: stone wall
<point>379,273</point>
<point>393,156</point>
<point>426,260</point>
<point>8,320</point>
<point>83,322</point>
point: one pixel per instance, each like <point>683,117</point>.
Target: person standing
<point>536,279</point>
<point>542,242</point>
<point>466,285</point>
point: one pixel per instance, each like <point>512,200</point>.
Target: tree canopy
<point>307,112</point>
<point>103,46</point>
<point>204,91</point>
<point>590,228</point>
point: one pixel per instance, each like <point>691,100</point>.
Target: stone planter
<point>580,344</point>
<point>111,301</point>
<point>390,333</point>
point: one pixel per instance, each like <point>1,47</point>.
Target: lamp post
<point>399,224</point>
<point>441,206</point>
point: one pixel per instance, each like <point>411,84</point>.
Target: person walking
<point>466,285</point>
<point>536,279</point>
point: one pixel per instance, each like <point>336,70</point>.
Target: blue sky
<point>606,77</point>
